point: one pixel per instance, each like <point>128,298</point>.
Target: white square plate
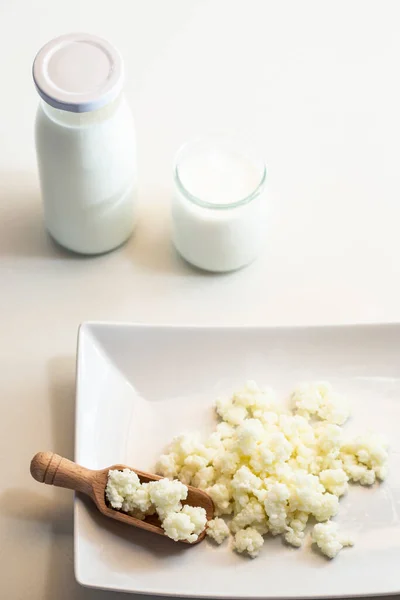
<point>138,386</point>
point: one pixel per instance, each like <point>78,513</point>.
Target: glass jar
<point>85,144</point>
<point>218,208</point>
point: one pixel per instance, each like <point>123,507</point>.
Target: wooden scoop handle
<point>50,468</point>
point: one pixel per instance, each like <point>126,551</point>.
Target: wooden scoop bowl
<point>50,468</point>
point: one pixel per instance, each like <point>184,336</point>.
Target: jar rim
<point>204,203</point>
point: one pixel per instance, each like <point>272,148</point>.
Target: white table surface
<point>316,85</point>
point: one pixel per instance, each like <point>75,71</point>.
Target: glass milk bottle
<point>219,204</point>
<point>85,144</point>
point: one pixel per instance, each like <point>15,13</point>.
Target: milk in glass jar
<point>219,204</point>
<point>85,143</point>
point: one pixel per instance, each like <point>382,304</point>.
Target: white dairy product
<point>121,487</point>
<point>218,209</point>
<point>218,530</point>
<point>85,143</point>
<point>329,539</point>
<point>270,469</point>
<point>248,540</point>
<point>125,492</point>
<point>218,175</point>
<point>166,496</point>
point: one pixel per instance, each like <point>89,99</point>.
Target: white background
<point>316,85</point>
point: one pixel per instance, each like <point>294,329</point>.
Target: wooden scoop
<point>50,468</point>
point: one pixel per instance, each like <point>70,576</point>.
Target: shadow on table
<point>22,231</point>
<point>57,512</point>
<point>61,582</point>
<point>23,234</point>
